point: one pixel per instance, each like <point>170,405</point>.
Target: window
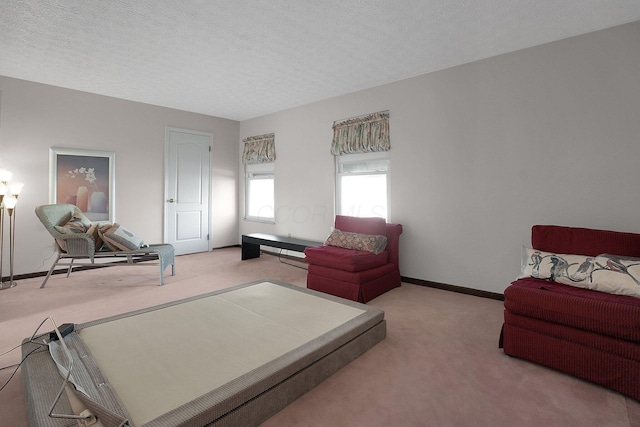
<point>362,185</point>
<point>259,192</point>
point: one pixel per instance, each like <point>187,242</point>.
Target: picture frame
<point>85,178</point>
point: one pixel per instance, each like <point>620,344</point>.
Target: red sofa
<point>353,274</point>
<point>586,333</point>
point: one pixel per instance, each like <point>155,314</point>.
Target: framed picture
<point>84,178</point>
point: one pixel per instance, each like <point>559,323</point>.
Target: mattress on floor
<point>232,357</point>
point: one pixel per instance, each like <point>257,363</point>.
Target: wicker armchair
<point>82,246</point>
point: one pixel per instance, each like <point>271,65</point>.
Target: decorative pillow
<point>102,229</point>
<point>78,223</point>
<point>93,232</point>
<point>615,274</point>
<point>612,274</point>
<point>360,242</point>
<point>574,270</point>
<point>117,238</point>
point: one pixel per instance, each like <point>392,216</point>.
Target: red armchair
<point>354,274</point>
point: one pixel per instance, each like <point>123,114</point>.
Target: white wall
<point>480,153</point>
<point>35,117</point>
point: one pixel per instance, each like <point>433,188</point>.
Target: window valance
<point>259,149</point>
<point>364,134</point>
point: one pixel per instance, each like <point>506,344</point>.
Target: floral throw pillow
<point>360,242</point>
<point>615,274</point>
<point>612,274</point>
<point>574,270</point>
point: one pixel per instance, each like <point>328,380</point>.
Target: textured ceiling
<point>240,59</point>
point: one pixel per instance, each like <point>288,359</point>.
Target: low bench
<point>251,244</point>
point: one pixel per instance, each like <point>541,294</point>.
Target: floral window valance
<point>364,134</point>
<point>259,149</point>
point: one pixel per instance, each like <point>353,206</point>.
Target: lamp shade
<point>10,202</point>
<point>3,189</point>
<point>5,175</point>
<point>15,188</point>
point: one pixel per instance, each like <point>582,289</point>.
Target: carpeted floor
<point>439,365</point>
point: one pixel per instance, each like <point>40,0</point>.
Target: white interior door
<point>187,182</point>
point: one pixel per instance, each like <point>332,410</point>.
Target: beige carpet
<point>438,366</point>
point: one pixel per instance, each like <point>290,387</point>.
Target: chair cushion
<point>611,315</point>
<point>357,277</point>
<point>344,259</point>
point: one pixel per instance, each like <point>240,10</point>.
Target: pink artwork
<point>84,181</point>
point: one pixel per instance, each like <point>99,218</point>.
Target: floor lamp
<point>8,198</point>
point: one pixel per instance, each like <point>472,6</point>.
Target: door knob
<point>171,200</point>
